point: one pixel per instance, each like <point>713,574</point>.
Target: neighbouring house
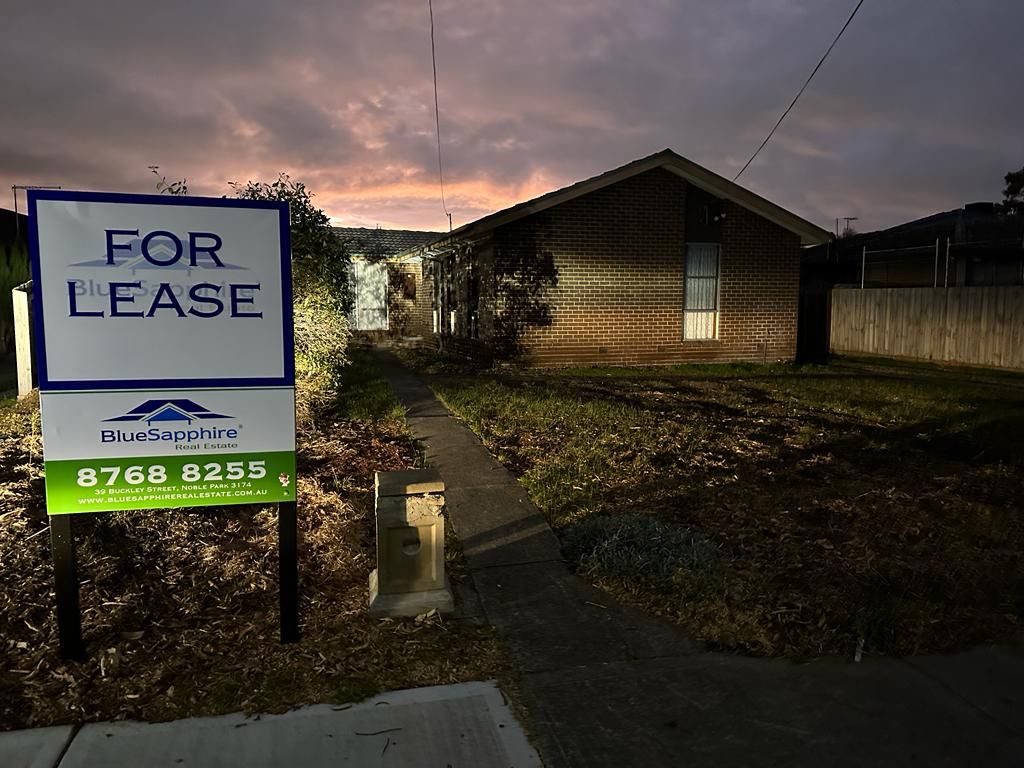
<point>387,291</point>
<point>974,246</point>
<point>658,261</point>
<point>971,246</point>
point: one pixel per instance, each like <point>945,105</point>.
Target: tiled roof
<point>382,242</point>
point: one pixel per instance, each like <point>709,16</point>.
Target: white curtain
<point>701,299</point>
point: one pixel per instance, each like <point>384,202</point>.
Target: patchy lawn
<point>180,607</point>
<point>777,510</point>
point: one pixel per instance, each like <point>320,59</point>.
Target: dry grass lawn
<point>778,510</point>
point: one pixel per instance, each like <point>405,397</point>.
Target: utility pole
<point>14,192</point>
<point>847,220</point>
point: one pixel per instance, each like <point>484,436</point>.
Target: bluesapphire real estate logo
<point>171,421</point>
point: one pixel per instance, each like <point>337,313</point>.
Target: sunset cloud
<point>915,111</point>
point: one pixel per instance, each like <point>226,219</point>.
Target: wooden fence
<point>973,325</point>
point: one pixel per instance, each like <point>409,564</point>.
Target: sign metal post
<point>69,618</point>
<point>288,570</point>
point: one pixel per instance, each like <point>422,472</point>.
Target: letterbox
<point>409,578</point>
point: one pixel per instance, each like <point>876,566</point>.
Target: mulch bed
<point>180,610</point>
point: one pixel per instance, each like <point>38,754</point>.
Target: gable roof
<point>362,241</point>
<point>719,186</point>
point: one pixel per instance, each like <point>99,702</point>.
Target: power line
<point>800,92</point>
<point>437,114</point>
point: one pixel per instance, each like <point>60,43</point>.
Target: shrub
<point>321,341</point>
<point>321,294</point>
<point>636,547</point>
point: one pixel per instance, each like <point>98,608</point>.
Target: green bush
<point>321,294</point>
<point>321,341</point>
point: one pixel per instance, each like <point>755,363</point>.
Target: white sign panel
<point>164,349</point>
<point>134,292</point>
<point>143,423</point>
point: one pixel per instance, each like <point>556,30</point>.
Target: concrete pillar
<point>409,578</point>
<point>21,300</point>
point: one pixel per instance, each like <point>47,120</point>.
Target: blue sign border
<point>46,385</point>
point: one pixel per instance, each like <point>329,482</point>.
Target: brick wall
<point>410,312</point>
<point>420,311</point>
<point>760,287</point>
<point>616,292</point>
<point>423,308</point>
<point>406,300</point>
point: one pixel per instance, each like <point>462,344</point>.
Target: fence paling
<point>976,325</point>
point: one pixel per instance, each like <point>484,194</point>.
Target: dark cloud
<point>915,111</point>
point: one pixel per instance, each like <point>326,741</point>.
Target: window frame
<point>716,312</point>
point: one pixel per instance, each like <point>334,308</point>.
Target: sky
<point>918,109</point>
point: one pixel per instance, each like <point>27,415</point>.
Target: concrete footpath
<point>607,685</point>
<point>452,725</point>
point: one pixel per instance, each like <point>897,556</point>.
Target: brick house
<point>659,261</point>
<point>387,290</point>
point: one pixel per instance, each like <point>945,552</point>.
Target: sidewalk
<point>454,725</point>
<point>607,685</point>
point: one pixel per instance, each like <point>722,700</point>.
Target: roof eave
<point>809,234</point>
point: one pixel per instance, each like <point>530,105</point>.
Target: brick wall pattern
<point>616,297</point>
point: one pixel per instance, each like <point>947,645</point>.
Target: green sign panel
<point>89,485</point>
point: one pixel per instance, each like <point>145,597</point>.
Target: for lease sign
<point>164,350</point>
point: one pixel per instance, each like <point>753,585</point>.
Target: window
<point>409,286</point>
<point>700,302</point>
<point>473,301</point>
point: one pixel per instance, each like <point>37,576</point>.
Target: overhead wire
<point>437,114</point>
<point>800,92</point>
